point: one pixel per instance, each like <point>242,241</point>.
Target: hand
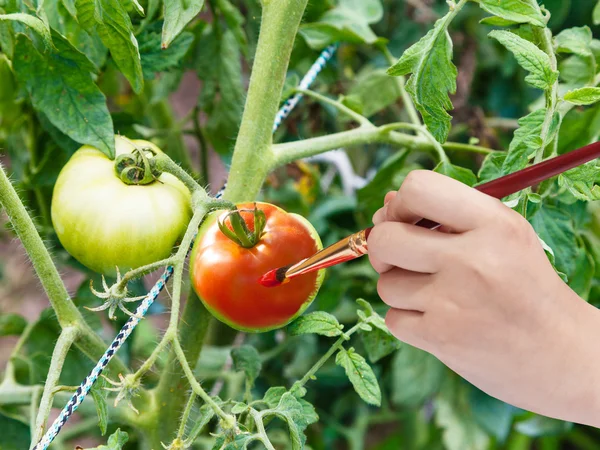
<point>482,297</point>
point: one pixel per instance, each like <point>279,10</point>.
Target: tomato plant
<point>225,272</point>
<point>108,225</point>
<point>472,89</point>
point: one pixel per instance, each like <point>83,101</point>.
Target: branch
<point>66,312</point>
<point>65,340</point>
<point>362,120</point>
<point>292,151</point>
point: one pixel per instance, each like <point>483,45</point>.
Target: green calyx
<point>138,167</point>
<point>239,232</point>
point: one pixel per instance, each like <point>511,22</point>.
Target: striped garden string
<point>85,387</point>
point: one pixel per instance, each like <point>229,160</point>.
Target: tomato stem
<point>239,231</point>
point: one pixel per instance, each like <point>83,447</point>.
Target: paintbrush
<point>355,245</point>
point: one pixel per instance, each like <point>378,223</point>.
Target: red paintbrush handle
<point>530,176</point>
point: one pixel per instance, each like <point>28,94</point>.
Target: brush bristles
<point>274,278</point>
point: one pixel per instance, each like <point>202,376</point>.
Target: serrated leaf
<point>348,22</point>
<point>583,96</point>
<point>155,59</point>
<point>33,22</point>
<point>246,359</point>
<point>318,322</point>
<point>514,11</point>
<point>112,23</point>
<point>575,40</point>
<point>101,408</point>
<point>298,414</point>
<point>374,89</point>
<point>433,77</point>
<point>577,70</point>
<point>12,324</point>
<point>526,141</point>
<point>60,85</point>
<point>178,13</point>
<point>235,21</point>
<point>116,441</point>
<point>416,376</point>
<point>555,227</point>
<point>454,415</point>
<point>360,375</point>
<point>530,57</point>
<point>218,65</point>
<point>379,344</point>
<point>581,182</point>
<point>461,174</point>
<point>491,168</point>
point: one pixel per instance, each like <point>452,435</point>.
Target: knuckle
<point>412,183</point>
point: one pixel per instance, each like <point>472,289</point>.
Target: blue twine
<point>85,387</point>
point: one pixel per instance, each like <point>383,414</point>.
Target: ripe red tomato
<point>225,274</point>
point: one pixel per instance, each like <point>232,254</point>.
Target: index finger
<point>433,196</point>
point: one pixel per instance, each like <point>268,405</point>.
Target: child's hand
<point>482,296</point>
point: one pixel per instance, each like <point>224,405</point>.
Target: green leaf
<point>416,376</point>
<point>154,59</point>
<point>530,57</point>
<point>433,77</point>
<point>360,375</point>
<point>555,227</point>
<point>379,344</point>
<point>582,278</point>
<point>461,174</point>
<point>99,396</point>
<point>60,85</point>
<point>491,168</point>
<point>296,412</point>
<point>577,70</point>
<point>454,415</point>
<point>36,24</point>
<point>235,21</point>
<point>527,141</point>
<point>375,90</point>
<point>539,426</point>
<point>12,324</point>
<point>581,181</point>
<point>318,322</point>
<point>514,11</point>
<point>112,23</point>
<point>15,434</point>
<point>579,128</point>
<point>116,441</point>
<point>222,97</point>
<point>596,14</point>
<point>348,22</point>
<point>494,416</point>
<point>575,40</point>
<point>583,96</point>
<point>178,13</point>
<point>389,177</point>
<point>246,359</point>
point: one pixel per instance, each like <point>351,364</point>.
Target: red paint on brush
<point>274,278</point>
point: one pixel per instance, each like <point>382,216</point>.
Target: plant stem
<point>166,164</point>
<point>66,312</point>
<point>401,82</point>
<point>552,94</point>
<point>194,383</point>
<point>291,151</point>
<point>65,340</point>
<point>172,390</point>
<point>186,415</point>
<point>334,348</point>
<point>260,427</point>
<point>252,157</point>
<point>362,120</point>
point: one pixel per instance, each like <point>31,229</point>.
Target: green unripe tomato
<point>104,223</point>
